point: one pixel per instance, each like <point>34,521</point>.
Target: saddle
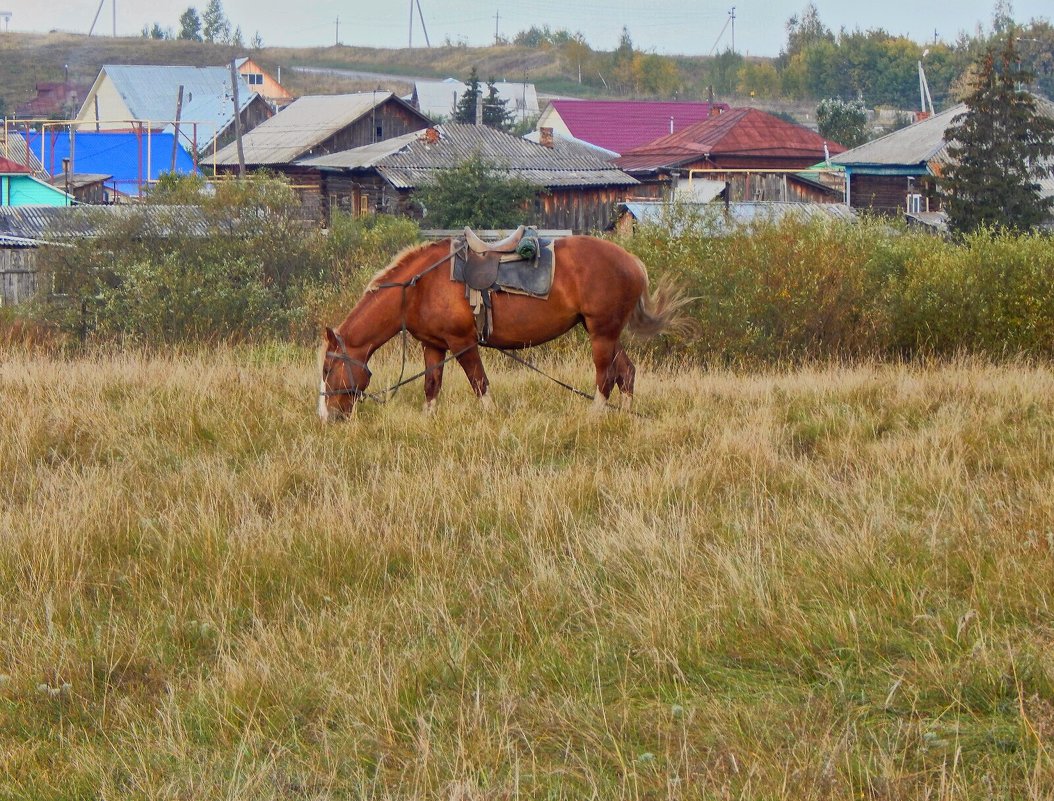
<point>506,245</point>
<point>521,263</point>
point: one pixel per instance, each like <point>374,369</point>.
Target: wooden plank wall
<point>18,275</point>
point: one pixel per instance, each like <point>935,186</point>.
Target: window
<point>254,78</point>
<point>915,204</point>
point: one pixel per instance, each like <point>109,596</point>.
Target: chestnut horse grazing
<point>596,283</point>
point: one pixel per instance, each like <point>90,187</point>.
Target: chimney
<point>545,137</point>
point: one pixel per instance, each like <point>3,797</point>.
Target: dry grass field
<point>812,583</point>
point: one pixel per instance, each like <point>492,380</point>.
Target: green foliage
<point>465,110</point>
<point>494,112</point>
<point>235,266</point>
<point>842,122</point>
<point>360,246</point>
<point>215,27</point>
<point>177,189</point>
<point>817,290</point>
<point>992,293</point>
<point>476,192</point>
<point>999,146</point>
<point>190,25</point>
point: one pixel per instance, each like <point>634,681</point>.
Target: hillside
<point>26,59</point>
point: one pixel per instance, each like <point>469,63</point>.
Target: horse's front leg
<point>433,376</point>
<point>473,366</point>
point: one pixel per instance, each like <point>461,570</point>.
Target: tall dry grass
<point>821,583</point>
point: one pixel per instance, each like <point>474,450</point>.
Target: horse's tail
<point>661,310</point>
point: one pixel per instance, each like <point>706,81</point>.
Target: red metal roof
<point>8,167</point>
<point>622,125</point>
<point>744,133</point>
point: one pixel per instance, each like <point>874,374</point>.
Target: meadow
<point>809,582</point>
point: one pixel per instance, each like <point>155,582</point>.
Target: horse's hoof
<point>600,404</point>
<point>486,403</point>
<point>429,408</point>
<point>626,403</point>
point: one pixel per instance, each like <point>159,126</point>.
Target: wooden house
<point>577,189</point>
<point>317,125</point>
<point>896,174</point>
<point>260,81</point>
<point>19,187</point>
<point>760,157</point>
<point>53,100</point>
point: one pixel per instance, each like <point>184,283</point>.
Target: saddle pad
<point>520,276</point>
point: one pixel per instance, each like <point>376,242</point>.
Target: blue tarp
<point>132,158</point>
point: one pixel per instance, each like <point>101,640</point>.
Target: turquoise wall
<point>23,190</point>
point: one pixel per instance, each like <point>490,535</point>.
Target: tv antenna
<point>422,18</point>
<point>6,17</point>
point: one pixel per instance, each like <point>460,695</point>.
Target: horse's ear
<point>331,338</point>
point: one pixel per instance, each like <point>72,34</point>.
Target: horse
<point>597,284</point>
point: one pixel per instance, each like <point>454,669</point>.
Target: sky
<point>690,27</point>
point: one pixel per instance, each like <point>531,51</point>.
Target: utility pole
<point>114,19</point>
<point>424,28</point>
<point>732,14</point>
<point>336,40</point>
<point>175,134</point>
<point>410,41</point>
<point>497,15</point>
<point>237,119</point>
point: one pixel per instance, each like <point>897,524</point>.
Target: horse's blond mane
<point>397,261</point>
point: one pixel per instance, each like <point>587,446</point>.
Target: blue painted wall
<point>25,190</point>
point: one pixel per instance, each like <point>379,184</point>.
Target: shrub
<point>792,290</point>
<point>235,267</point>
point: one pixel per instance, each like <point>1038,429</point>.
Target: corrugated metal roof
<point>14,148</point>
<point>916,144</point>
<point>150,93</point>
<point>603,152</point>
<point>622,125</point>
<point>132,159</point>
<point>740,132</point>
<point>438,99</point>
<point>410,160</point>
<point>300,126</point>
<point>9,167</point>
<point>60,223</point>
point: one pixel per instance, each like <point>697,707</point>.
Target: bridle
<point>343,355</point>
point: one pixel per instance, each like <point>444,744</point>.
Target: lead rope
<point>557,381</point>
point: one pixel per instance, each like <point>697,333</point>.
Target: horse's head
<point>344,379</point>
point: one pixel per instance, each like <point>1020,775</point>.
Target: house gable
<point>258,80</point>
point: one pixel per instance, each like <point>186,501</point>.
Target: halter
<point>344,356</point>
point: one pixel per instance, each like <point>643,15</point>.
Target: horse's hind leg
<point>433,376</point>
<point>625,373</point>
<point>605,355</point>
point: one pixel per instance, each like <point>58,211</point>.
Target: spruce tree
<point>466,105</point>
<point>999,149</point>
<point>495,111</point>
